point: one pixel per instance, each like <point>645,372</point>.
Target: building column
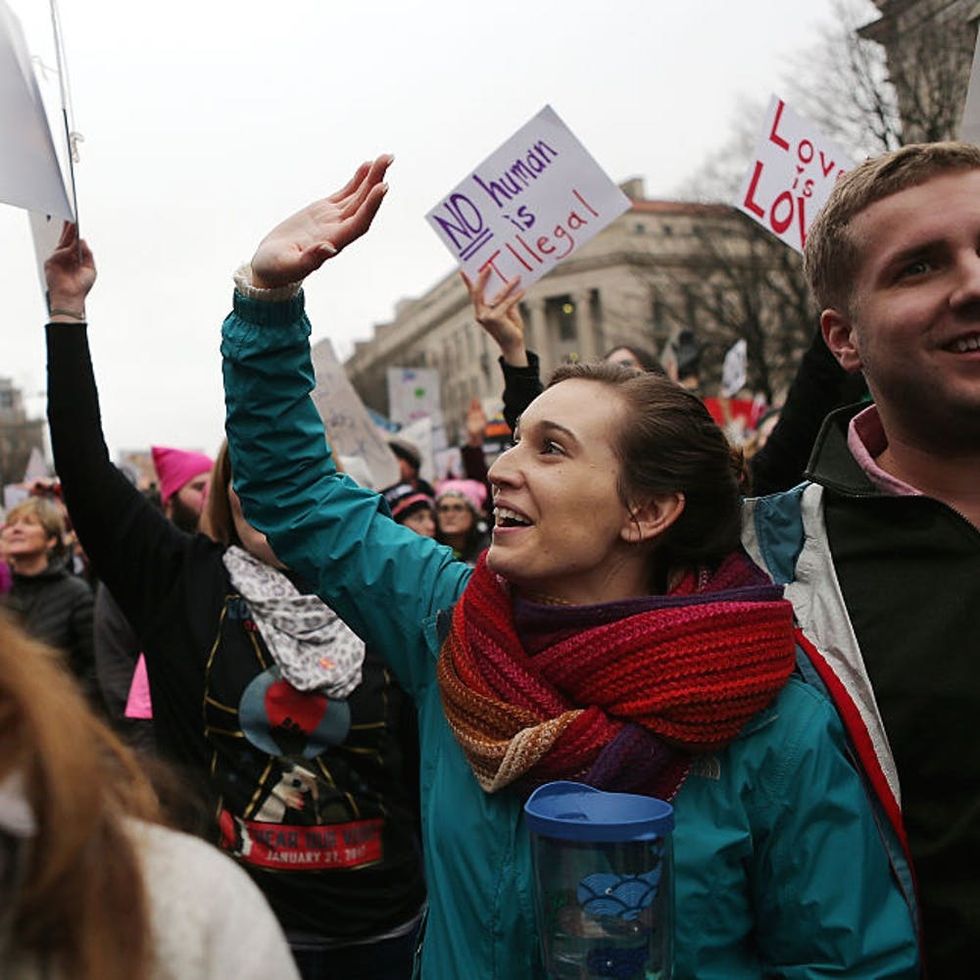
<point>587,350</point>
<point>536,332</point>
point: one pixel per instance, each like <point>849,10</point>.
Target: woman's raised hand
<point>476,423</point>
<point>302,243</point>
<point>69,273</point>
<point>501,316</point>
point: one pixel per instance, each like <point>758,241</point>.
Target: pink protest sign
<point>791,176</point>
<point>530,204</point>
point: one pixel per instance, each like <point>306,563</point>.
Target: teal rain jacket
<point>780,867</point>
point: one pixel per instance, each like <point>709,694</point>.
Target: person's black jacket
<point>56,607</point>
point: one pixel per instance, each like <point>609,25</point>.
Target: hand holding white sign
<point>69,275</point>
<point>792,175</point>
<point>500,316</point>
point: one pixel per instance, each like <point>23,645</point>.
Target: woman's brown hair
<point>670,444</point>
<point>216,520</point>
<point>81,905</point>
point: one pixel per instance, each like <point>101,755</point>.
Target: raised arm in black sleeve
<point>521,386</point>
<point>820,386</point>
<point>133,548</point>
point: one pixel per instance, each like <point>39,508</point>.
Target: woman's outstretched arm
<point>384,580</point>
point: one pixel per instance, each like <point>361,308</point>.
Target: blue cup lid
<point>576,812</point>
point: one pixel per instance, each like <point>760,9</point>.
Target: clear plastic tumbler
<point>603,882</point>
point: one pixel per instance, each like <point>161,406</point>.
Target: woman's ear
<point>647,521</point>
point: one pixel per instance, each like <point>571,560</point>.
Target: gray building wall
<point>629,285</point>
<point>18,434</point>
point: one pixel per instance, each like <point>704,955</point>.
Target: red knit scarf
<point>622,705</point>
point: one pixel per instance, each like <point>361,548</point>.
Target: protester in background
<point>820,386</point>
<point>615,634</point>
<point>52,604</point>
<point>882,548</point>
<point>412,507</point>
<point>119,665</point>
<point>293,732</point>
<point>117,654</point>
<point>182,489</point>
<point>184,478</point>
<point>409,464</point>
<point>92,887</point>
<point>633,357</point>
<point>471,453</point>
<point>459,517</point>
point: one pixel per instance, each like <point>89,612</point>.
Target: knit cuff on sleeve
<point>243,283</point>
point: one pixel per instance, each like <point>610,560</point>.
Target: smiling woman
<point>636,482</point>
<point>54,605</point>
<point>614,634</point>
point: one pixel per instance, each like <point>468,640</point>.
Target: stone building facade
<point>929,46</point>
<point>637,282</point>
<point>18,434</point>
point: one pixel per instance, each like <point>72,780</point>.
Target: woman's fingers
<point>477,289</point>
<point>68,232</point>
<point>512,301</point>
<point>372,177</point>
<point>509,287</point>
<point>352,184</point>
<point>351,228</point>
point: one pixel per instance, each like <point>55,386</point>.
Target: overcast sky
<point>205,123</point>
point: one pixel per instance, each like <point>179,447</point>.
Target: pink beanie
<point>175,468</point>
<point>472,491</point>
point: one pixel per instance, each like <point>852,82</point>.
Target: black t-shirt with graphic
<point>317,799</point>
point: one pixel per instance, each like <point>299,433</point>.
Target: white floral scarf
<point>313,648</point>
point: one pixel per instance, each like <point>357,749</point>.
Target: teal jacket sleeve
<point>384,580</point>
<point>827,900</point>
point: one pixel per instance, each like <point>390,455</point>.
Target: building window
<point>561,310</point>
<point>6,399</point>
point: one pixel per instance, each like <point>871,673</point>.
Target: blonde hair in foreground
<point>81,908</point>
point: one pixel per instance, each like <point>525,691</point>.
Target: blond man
<point>881,548</point>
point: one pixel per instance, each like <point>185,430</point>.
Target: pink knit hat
<point>175,468</point>
<point>472,491</point>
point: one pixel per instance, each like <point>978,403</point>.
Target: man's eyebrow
<point>912,252</point>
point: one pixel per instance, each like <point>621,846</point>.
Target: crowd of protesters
<point>350,693</point>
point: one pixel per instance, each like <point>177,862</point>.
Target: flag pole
<point>70,136</point>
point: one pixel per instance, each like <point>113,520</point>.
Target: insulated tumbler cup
<point>603,882</point>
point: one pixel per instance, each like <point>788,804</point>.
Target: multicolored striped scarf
<point>622,695</point>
